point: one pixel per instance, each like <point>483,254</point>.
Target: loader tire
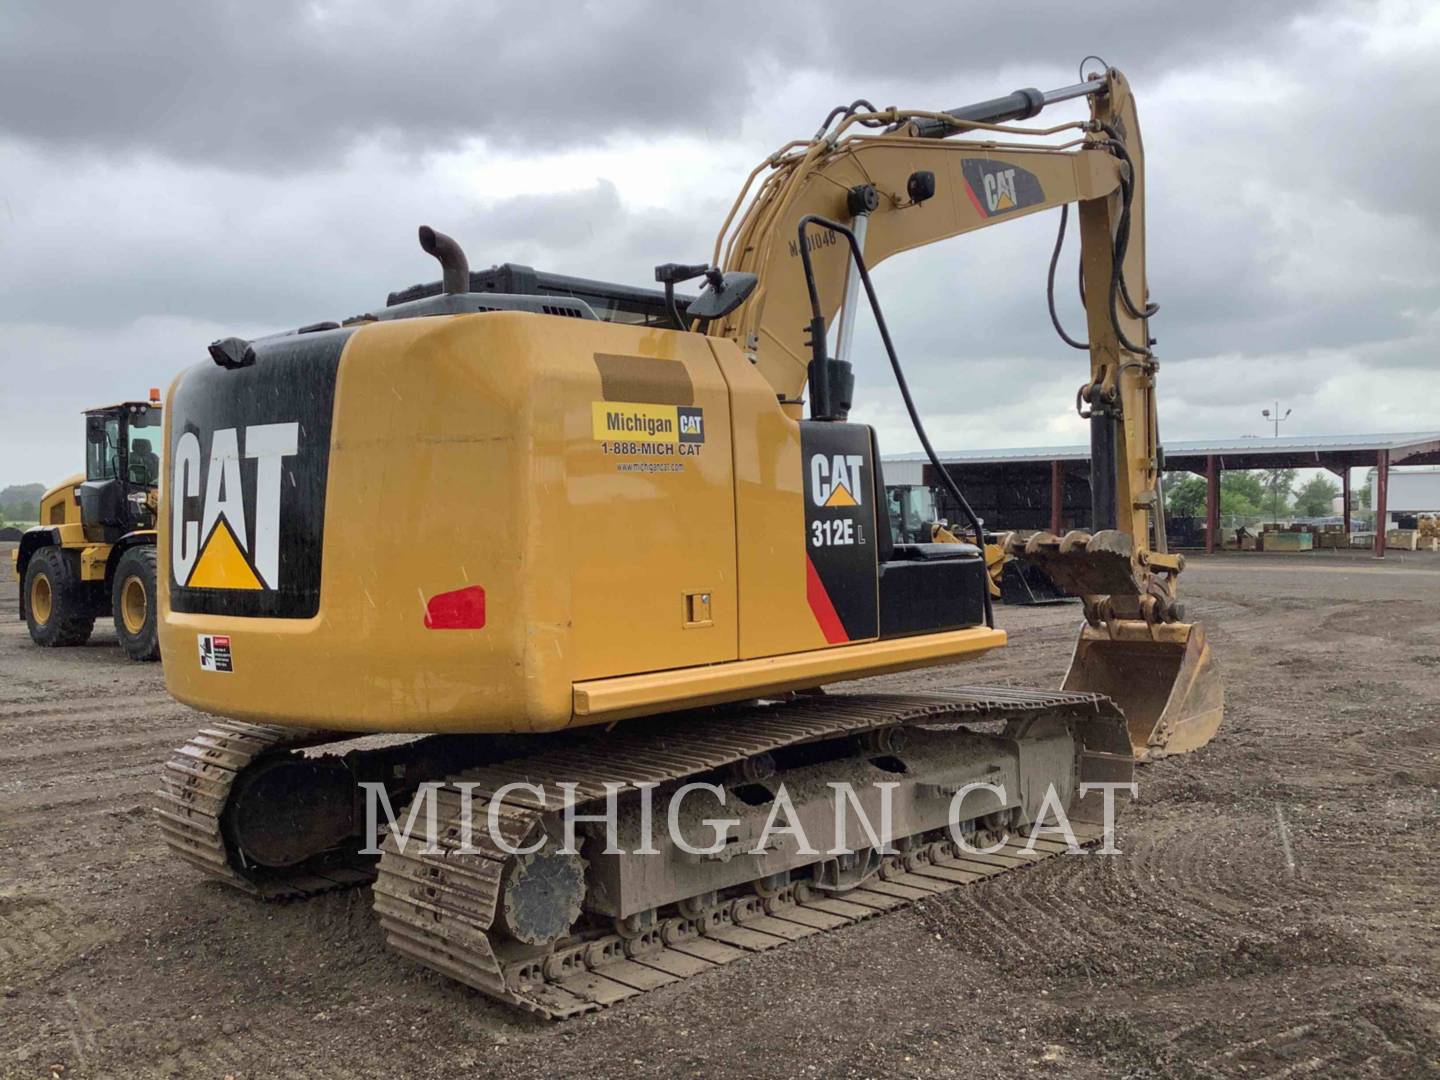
<point>56,607</point>
<point>134,603</point>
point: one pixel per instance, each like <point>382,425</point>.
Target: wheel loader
<point>93,552</point>
<point>579,549</point>
<point>914,514</point>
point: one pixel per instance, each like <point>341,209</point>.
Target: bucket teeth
<point>1086,564</point>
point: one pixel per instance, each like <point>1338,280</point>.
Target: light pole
<point>1276,419</point>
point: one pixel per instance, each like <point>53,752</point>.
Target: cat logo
<point>219,551</point>
<point>995,187</point>
<point>1000,190</point>
<point>835,479</point>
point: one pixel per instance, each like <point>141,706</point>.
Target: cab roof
<point>126,405</point>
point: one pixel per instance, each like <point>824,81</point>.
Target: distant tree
<point>1241,494</point>
<point>1278,485</point>
<point>1316,497</point>
<point>1360,497</point>
<point>1185,495</point>
<point>20,502</point>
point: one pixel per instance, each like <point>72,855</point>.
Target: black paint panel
<point>930,596</point>
<point>846,569</point>
<point>292,380</point>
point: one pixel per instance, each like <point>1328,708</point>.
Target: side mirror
<point>722,297</point>
<point>95,429</point>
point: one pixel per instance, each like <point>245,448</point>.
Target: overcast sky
<point>174,172</point>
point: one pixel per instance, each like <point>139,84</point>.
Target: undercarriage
<point>565,874</point>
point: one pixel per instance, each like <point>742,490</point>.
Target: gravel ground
<point>1273,914</point>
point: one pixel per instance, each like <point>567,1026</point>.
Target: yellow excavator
<point>591,546</point>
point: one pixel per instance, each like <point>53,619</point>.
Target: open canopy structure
<point>1067,505</point>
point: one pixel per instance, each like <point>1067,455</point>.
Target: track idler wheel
<point>289,809</point>
<point>541,896</point>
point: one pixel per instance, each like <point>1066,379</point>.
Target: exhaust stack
<point>452,259</point>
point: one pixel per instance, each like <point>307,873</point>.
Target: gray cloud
<point>271,85</point>
<point>268,85</point>
<point>173,171</point>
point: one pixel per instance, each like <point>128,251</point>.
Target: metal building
<point>1048,487</point>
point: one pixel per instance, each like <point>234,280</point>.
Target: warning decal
<point>215,652</point>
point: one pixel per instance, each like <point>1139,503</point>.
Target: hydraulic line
<point>940,470</point>
<point>1119,289</point>
<point>1050,282</point>
<point>849,110</point>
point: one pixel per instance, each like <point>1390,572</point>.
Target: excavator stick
<point>1164,678</point>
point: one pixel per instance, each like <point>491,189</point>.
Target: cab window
<point>144,456</point>
<point>102,441</point>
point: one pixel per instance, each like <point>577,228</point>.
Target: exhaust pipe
<point>452,259</point>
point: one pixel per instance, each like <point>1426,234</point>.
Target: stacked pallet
<point>1411,540</point>
<point>1289,540</point>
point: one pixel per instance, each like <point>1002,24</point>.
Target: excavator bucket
<point>1164,678</point>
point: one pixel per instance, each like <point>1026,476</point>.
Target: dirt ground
<point>1274,913</point>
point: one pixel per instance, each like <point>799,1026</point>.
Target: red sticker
<point>463,609</point>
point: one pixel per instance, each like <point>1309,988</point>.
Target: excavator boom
<point>902,179</point>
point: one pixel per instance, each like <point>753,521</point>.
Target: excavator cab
<point>912,512</point>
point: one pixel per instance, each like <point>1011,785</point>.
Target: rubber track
<point>438,909</point>
<point>195,785</point>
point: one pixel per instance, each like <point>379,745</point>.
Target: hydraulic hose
<point>1119,288</point>
<point>816,314</point>
<point>849,110</point>
<point>1050,282</point>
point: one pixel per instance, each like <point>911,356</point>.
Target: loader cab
<point>122,469</point>
<point>912,512</point>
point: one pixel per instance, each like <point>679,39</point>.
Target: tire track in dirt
<point>38,935</point>
<point>1195,954</point>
